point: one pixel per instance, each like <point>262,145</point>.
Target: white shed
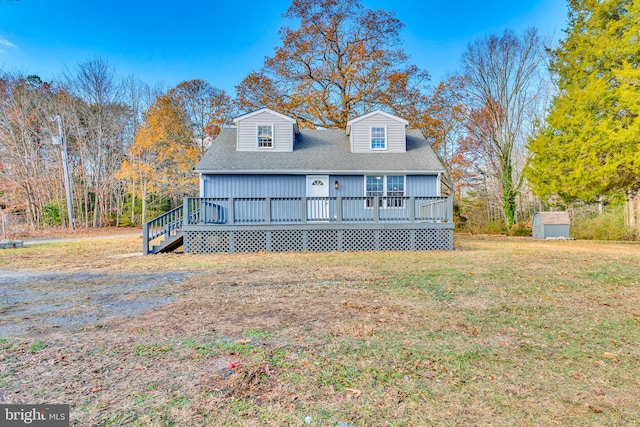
<point>547,225</point>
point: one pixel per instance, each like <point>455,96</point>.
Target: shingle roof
<point>555,218</point>
<point>318,151</point>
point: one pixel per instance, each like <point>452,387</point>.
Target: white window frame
<point>384,202</point>
<point>371,138</point>
<point>258,143</point>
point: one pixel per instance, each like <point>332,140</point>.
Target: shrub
<point>522,228</point>
<point>50,214</point>
<point>606,226</point>
<point>495,227</point>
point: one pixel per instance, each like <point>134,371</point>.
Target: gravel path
<point>38,302</point>
<point>37,241</point>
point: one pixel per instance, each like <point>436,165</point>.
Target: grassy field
<point>501,331</point>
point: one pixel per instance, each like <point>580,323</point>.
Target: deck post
<point>267,210</point>
<point>145,238</point>
<point>412,209</point>
<point>304,210</point>
<point>376,209</point>
<point>185,212</point>
<point>231,219</point>
<point>449,204</point>
<point>339,209</point>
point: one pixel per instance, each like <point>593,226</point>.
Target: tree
<point>207,109</point>
<point>98,118</point>
<point>503,87</point>
<point>176,130</point>
<point>342,61</point>
<point>443,125</point>
<point>589,148</point>
<point>25,157</point>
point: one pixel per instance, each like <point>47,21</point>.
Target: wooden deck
<point>211,225</point>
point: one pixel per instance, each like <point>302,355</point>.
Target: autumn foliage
<point>341,62</point>
<point>177,128</point>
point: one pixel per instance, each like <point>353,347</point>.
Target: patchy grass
<point>502,331</point>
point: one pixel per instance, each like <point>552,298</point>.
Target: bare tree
<point>206,108</point>
<point>28,168</point>
<point>504,86</point>
<point>99,126</point>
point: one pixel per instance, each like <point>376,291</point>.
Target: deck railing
<point>309,210</point>
<point>198,211</point>
<point>167,224</point>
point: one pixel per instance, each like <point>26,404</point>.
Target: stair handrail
<point>166,224</point>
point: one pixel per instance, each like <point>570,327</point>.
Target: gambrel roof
<point>318,151</point>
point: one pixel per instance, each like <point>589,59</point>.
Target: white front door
<point>317,197</point>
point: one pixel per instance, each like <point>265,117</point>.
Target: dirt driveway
<point>40,302</point>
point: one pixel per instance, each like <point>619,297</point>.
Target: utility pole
<point>67,177</point>
<point>3,220</point>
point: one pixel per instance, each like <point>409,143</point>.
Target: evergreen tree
<point>589,147</point>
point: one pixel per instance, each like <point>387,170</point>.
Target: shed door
<point>317,197</point>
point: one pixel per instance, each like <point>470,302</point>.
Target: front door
<point>317,197</point>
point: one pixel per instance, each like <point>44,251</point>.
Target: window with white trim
<point>265,136</point>
<point>379,138</point>
<point>390,190</point>
<point>395,192</point>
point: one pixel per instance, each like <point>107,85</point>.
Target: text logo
<point>34,415</point>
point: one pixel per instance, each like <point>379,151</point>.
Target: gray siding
<point>259,186</point>
<point>555,230</point>
<point>254,185</point>
<point>547,231</point>
<point>295,185</point>
<point>361,134</point>
<point>283,135</point>
<point>350,185</point>
<point>421,185</point>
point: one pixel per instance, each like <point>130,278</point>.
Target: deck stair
<point>165,232</point>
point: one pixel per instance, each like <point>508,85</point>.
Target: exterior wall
<point>295,185</point>
<point>360,136</point>
<point>254,185</point>
<point>349,185</point>
<point>283,135</point>
<point>556,230</point>
<point>351,188</point>
<point>537,229</point>
<point>422,185</point>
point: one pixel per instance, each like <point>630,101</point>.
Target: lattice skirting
<point>318,240</point>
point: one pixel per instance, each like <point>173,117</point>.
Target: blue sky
<point>221,42</point>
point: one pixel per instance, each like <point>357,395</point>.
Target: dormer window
<point>379,138</point>
<point>265,136</point>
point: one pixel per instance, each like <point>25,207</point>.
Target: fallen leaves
<point>579,376</point>
<point>356,392</point>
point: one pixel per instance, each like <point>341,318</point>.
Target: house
<point>268,185</point>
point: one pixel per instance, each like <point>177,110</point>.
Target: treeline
<point>515,134</point>
<point>131,147</point>
<point>100,113</point>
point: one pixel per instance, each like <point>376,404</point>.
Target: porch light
<point>336,185</point>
